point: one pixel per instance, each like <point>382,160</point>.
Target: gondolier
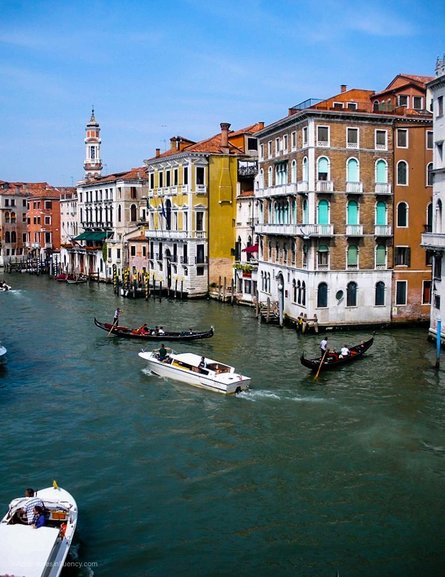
<point>117,313</point>
<point>323,345</point>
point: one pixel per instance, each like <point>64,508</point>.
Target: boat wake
<point>260,395</point>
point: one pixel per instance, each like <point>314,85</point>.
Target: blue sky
<point>154,69</point>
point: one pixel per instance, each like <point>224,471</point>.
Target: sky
<point>154,69</point>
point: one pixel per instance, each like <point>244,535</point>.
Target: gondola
<point>121,331</point>
<point>333,360</point>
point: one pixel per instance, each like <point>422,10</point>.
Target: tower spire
<point>92,163</point>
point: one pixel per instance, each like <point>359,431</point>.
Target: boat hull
<point>228,383</point>
<point>121,331</point>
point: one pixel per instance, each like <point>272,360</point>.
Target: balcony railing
<point>382,230</point>
<point>382,188</point>
<point>354,230</point>
<point>325,186</point>
<point>302,186</point>
<point>354,187</point>
<point>433,240</point>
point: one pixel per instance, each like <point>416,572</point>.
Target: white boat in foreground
<point>198,371</point>
<point>29,552</point>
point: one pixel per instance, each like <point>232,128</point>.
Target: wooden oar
<point>112,327</point>
<point>321,362</point>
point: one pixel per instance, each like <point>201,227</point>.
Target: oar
<point>112,327</point>
<point>321,362</point>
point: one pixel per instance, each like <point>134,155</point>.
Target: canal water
<point>297,477</point>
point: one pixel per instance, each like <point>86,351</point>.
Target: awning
<point>253,248</point>
<point>95,236</point>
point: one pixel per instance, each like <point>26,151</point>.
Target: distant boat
<point>196,370</point>
<point>150,334</point>
<point>38,552</point>
<point>77,279</point>
<point>331,359</point>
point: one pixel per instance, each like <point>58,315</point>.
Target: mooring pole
<point>438,341</point>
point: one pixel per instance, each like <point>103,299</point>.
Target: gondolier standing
<point>323,345</point>
<point>117,313</point>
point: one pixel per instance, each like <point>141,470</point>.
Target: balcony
<point>382,230</point>
<point>302,186</point>
<point>382,188</point>
<point>317,230</point>
<point>354,230</point>
<point>201,189</point>
<point>325,186</point>
<point>278,229</point>
<point>433,241</point>
<point>354,187</point>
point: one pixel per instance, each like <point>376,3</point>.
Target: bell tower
<point>93,163</point>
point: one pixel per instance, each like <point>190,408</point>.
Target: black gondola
<point>151,335</point>
<point>333,360</point>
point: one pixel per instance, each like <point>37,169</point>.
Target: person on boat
<point>202,363</point>
<point>161,331</point>
<point>117,314</point>
<point>32,501</point>
<point>162,352</point>
<point>344,351</point>
<point>300,323</point>
<point>143,330</point>
<point>324,345</point>
<point>38,518</point>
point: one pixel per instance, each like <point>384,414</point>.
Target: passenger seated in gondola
<point>161,331</point>
<point>143,330</point>
<point>155,331</point>
<point>344,352</point>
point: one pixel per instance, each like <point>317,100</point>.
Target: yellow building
<point>191,208</point>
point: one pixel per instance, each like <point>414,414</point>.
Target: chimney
<point>224,134</point>
<point>343,87</point>
<point>173,143</point>
<point>158,152</point>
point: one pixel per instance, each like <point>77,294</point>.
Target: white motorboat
<point>198,371</point>
<point>4,287</point>
<point>3,352</point>
<point>38,552</point>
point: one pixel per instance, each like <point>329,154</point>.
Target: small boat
<point>77,279</point>
<point>332,359</point>
<point>38,552</point>
<point>196,370</point>
<point>151,335</point>
<point>3,352</point>
<point>4,287</point>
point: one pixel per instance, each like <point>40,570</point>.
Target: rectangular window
<point>161,179</point>
<point>261,151</point>
<point>199,175</point>
<point>322,135</point>
<point>402,256</point>
<point>269,149</point>
<point>426,292</point>
<point>118,254</point>
<point>402,100</point>
<point>152,181</point>
<point>417,102</point>
<point>439,106</point>
<point>175,177</point>
<point>132,250</point>
<point>352,105</point>
<point>285,143</point>
<point>352,137</point>
<point>337,105</point>
<point>429,139</point>
<point>402,138</point>
<point>167,178</point>
<point>304,133</point>
<point>200,254</point>
<point>380,140</point>
<point>199,221</point>
<point>252,144</point>
<point>186,175</point>
<point>277,146</point>
<point>293,140</point>
<point>401,292</point>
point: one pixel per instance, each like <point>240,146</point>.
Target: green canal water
<point>297,477</point>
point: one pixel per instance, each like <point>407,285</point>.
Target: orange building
<point>43,220</point>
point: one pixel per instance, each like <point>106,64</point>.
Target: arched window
<point>305,207</point>
<point>402,215</point>
<point>351,294</point>
<point>323,212</point>
<point>322,168</point>
<point>402,172</point>
<point>380,293</point>
<point>133,213</point>
<point>352,174</point>
<point>269,176</point>
<point>303,294</point>
<point>352,256</point>
<point>380,255</point>
<point>13,236</point>
<point>438,217</point>
<point>429,217</point>
<point>305,169</point>
<point>295,289</point>
<point>261,179</point>
<point>352,214</point>
<point>294,171</point>
<point>322,295</point>
<point>7,237</point>
<point>429,174</point>
<point>380,213</point>
<point>381,172</point>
